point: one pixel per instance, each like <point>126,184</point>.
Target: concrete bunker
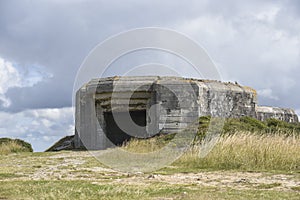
<point>114,133</point>
<point>149,105</point>
<point>142,104</point>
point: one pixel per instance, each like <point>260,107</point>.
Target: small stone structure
<point>158,105</point>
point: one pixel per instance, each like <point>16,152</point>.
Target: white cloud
<point>255,45</point>
<point>212,29</point>
<point>267,93</point>
<point>40,127</point>
<point>243,39</point>
<point>267,15</point>
<point>11,77</point>
<point>46,138</point>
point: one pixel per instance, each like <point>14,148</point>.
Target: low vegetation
<point>244,144</point>
<point>78,175</point>
<point>247,151</point>
<point>240,151</point>
<point>251,160</point>
<point>82,189</point>
<point>252,125</point>
<point>8,145</point>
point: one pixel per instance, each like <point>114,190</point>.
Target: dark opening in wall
<point>117,135</point>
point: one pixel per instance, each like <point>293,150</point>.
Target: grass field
<point>77,175</point>
<point>241,166</point>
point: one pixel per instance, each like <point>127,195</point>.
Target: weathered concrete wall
<point>225,99</point>
<point>284,114</point>
<point>169,104</point>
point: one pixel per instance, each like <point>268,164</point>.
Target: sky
<point>43,44</point>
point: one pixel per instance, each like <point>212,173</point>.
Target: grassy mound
<point>66,143</point>
<point>245,144</point>
<point>8,145</point>
<point>246,151</point>
<point>252,125</point>
<point>231,126</point>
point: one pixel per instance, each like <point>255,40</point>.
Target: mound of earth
<point>66,143</point>
<point>23,146</point>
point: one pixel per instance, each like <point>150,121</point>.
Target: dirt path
<point>83,166</point>
<point>236,180</point>
<point>75,166</point>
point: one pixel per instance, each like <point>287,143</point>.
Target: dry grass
<point>243,151</point>
<point>248,151</point>
<point>148,145</point>
<point>78,175</point>
<point>11,147</point>
<point>149,191</point>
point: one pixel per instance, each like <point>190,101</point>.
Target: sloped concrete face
<point>110,111</point>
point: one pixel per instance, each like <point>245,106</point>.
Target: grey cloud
<point>58,35</point>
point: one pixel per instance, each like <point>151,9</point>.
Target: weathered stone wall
<point>225,99</point>
<point>284,114</point>
<point>169,104</point>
